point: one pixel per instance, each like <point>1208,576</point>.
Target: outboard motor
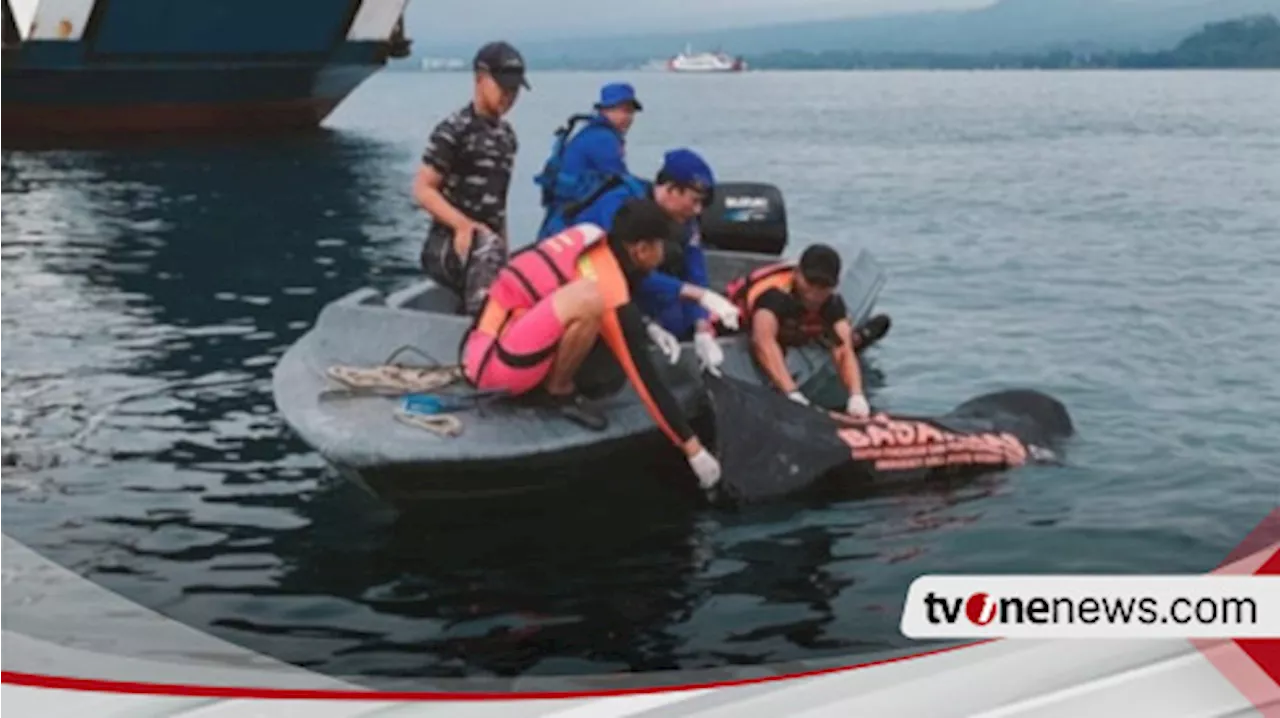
<point>745,217</point>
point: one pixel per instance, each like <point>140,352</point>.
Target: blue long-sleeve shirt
<point>658,294</point>
<point>601,211</point>
<point>589,157</point>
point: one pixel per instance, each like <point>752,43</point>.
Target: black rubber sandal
<point>575,408</point>
<point>874,330</point>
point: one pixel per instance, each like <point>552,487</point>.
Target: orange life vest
<point>536,272</point>
<point>745,293</point>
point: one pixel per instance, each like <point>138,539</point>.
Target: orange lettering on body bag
<point>900,444</point>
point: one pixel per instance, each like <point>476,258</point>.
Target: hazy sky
<point>434,22</point>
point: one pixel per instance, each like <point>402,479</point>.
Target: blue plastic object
<point>423,404</point>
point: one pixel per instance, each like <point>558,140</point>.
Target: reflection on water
<point>151,295</point>
<point>158,271</point>
<point>148,290</point>
<point>557,585</point>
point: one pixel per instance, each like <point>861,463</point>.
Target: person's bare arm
<point>439,159</point>
<point>845,358</point>
<point>426,189</point>
<point>764,343</point>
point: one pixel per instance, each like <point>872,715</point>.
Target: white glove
<point>721,307</point>
<point>709,352</point>
<point>706,467</point>
<point>665,340</point>
<point>857,406</point>
<point>798,398</point>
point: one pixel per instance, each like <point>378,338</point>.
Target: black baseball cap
<point>641,219</point>
<point>820,264</point>
<point>504,63</point>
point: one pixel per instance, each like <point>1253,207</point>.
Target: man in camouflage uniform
<point>463,180</point>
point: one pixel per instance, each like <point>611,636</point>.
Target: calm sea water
<point>1110,238</point>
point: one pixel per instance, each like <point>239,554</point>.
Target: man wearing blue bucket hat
<point>583,163</point>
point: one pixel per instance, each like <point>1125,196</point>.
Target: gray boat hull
<point>362,438</point>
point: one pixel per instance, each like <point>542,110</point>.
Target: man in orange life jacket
<point>551,303</point>
<point>791,305</point>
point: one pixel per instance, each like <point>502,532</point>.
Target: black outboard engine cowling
<point>745,217</point>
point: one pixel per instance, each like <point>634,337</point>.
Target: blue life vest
<point>565,194</point>
<point>570,213</point>
<point>558,188</point>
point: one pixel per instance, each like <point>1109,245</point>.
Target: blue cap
<point>615,94</point>
<point>686,167</point>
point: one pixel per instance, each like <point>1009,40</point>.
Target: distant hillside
<point>1007,26</point>
<point>1248,42</point>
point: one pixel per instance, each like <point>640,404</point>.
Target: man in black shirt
<point>793,305</point>
<point>463,180</point>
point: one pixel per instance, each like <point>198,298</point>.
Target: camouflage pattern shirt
<point>475,155</point>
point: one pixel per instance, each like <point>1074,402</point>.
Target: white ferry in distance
<point>689,61</point>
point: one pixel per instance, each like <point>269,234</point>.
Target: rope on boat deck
<point>391,379</point>
<point>446,425</point>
